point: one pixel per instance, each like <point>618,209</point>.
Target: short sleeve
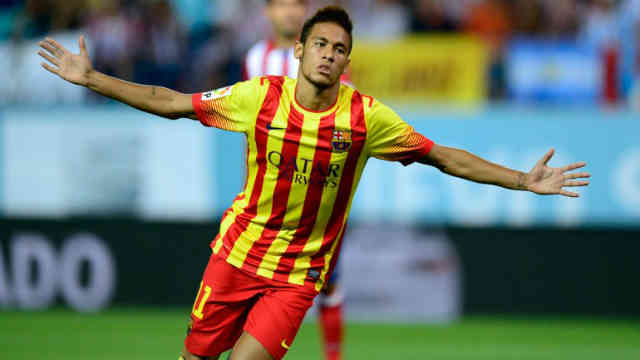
<point>232,108</point>
<point>390,138</point>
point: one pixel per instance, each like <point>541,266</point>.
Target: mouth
<point>324,69</point>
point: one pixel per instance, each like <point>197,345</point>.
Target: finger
<point>53,43</point>
<point>577,175</point>
<point>48,47</point>
<point>545,159</point>
<point>574,166</point>
<point>569,194</point>
<point>60,50</point>
<point>576,183</point>
<point>50,58</point>
<point>83,46</point>
<point>50,68</point>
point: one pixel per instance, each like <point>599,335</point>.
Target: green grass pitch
<point>155,334</point>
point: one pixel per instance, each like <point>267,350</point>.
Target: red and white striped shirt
<point>265,59</point>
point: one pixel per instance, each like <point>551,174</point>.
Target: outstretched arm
<point>77,69</point>
<point>542,179</point>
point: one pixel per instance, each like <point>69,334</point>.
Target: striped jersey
<point>303,168</point>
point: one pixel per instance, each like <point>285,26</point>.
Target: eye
<point>341,51</point>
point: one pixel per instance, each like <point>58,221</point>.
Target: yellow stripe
<point>329,195</point>
<point>327,259</point>
<point>224,227</point>
<point>362,161</point>
<point>275,142</point>
<point>295,203</point>
<point>238,206</point>
<point>256,227</point>
<point>252,171</point>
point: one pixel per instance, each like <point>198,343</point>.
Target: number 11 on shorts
<point>197,307</point>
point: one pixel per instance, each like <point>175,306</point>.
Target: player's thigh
<point>275,318</point>
<point>219,311</point>
<point>249,348</point>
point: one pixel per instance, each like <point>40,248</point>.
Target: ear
<point>298,50</point>
<point>346,65</point>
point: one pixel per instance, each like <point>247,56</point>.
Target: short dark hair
<point>329,14</point>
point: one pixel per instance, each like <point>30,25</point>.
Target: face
<point>286,16</point>
<point>325,55</point>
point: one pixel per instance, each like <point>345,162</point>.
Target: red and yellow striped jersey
<point>303,168</point>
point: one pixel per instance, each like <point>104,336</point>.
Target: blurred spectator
<point>562,18</point>
<point>8,12</point>
<point>431,16</point>
<point>32,20</point>
<point>216,50</point>
<point>489,19</point>
<point>600,30</point>
<point>67,14</point>
<point>35,18</point>
<point>114,36</point>
<point>528,17</point>
<point>629,15</point>
<point>195,14</point>
<point>245,20</point>
<point>380,19</point>
<point>161,57</point>
<point>164,41</point>
<point>600,23</point>
<point>213,62</point>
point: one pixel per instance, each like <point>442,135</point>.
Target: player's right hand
<point>74,68</point>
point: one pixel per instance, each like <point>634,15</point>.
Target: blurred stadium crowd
<point>196,44</point>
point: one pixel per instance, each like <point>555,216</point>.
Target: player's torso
<point>303,156</point>
<point>302,172</point>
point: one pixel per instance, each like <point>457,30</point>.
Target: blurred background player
<point>274,56</point>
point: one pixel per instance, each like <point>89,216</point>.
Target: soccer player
<point>275,56</point>
<point>309,140</point>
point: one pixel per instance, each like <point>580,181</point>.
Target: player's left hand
<point>546,180</point>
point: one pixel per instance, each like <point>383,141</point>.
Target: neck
<point>313,97</point>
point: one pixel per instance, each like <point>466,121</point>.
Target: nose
<point>328,54</point>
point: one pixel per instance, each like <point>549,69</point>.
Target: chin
<point>322,81</point>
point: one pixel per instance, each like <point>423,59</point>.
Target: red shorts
<point>231,301</point>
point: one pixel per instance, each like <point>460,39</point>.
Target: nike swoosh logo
<point>269,127</point>
<point>284,344</point>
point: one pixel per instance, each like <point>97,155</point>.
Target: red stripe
<point>196,101</point>
<point>282,191</point>
<point>358,135</point>
<point>334,259</point>
<point>224,216</point>
<point>265,116</point>
<point>321,158</point>
<point>265,58</point>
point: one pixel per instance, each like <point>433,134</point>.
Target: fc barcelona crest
<point>341,140</point>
